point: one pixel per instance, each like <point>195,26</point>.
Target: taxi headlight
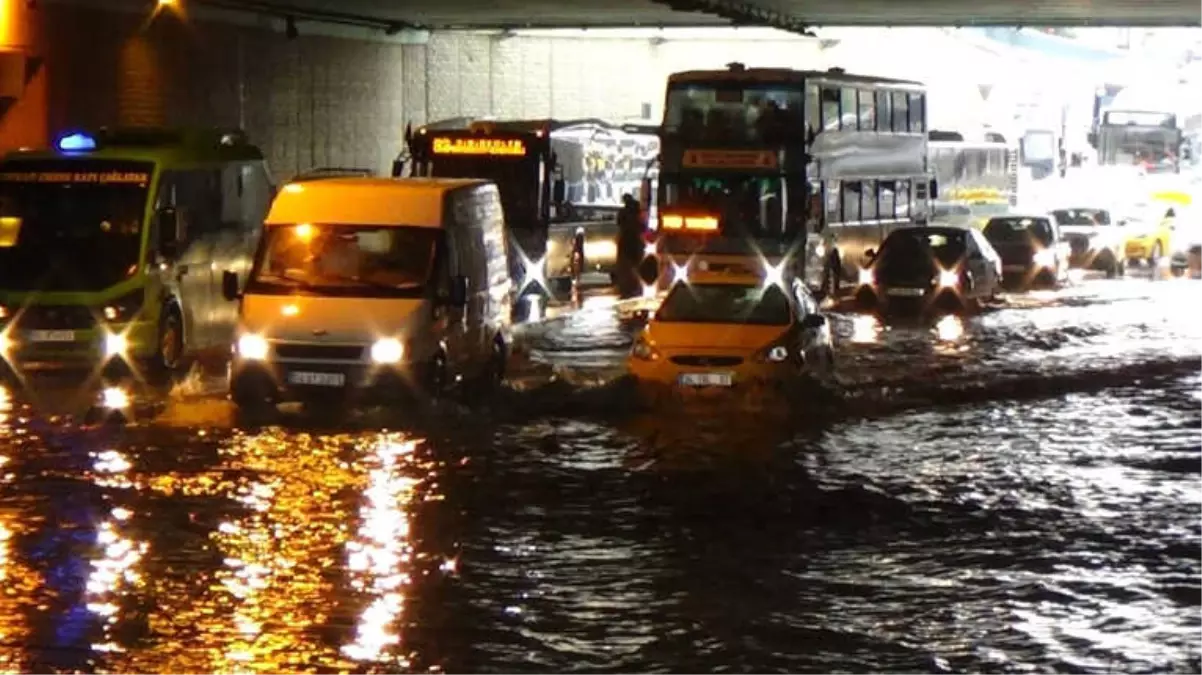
<point>115,344</point>
<point>777,354</point>
<point>949,278</point>
<point>253,347</point>
<point>643,351</point>
<point>387,350</point>
<point>1045,257</point>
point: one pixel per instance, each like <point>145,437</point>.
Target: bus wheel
<point>171,343</point>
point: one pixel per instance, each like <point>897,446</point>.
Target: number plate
<point>52,336</point>
<point>907,292</point>
<point>1014,268</point>
<point>707,379</point>
<point>316,379</point>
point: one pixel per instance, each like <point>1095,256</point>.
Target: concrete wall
<point>319,100</point>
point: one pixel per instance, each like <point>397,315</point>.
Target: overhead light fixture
<point>290,30</point>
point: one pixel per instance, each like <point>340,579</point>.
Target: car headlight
<point>387,350</point>
<point>1045,257</point>
<point>643,350</point>
<point>115,344</point>
<point>949,278</point>
<point>253,347</point>
<point>3,313</point>
<point>124,308</point>
<point>867,278</point>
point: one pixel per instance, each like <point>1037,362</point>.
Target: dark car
<point>1095,241</point>
<point>924,270</point>
<point>1030,248</point>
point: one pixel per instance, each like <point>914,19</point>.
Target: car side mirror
<point>813,322</point>
<point>559,191</point>
<point>229,286</point>
<point>458,293</point>
<point>170,230</point>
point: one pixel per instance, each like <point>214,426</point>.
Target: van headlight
<point>949,278</point>
<point>115,344</point>
<point>252,347</point>
<point>1045,257</point>
<point>387,351</point>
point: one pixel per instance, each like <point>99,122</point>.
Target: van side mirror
<point>458,292</point>
<point>934,193</point>
<point>559,191</point>
<point>170,229</point>
<point>813,322</point>
<point>229,285</point>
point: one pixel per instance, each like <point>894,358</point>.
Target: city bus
<point>558,179</point>
<point>113,245</point>
<point>977,176</point>
<point>809,168</point>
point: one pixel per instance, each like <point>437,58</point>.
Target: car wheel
<point>169,355</point>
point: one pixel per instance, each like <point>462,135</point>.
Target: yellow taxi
<point>728,326</point>
<point>1150,238</point>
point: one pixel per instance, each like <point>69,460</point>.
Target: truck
<point>561,182</point>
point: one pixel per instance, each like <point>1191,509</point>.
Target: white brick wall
<point>318,101</point>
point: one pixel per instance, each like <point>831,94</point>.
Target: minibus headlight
<point>253,347</point>
<point>115,344</point>
<point>949,278</point>
<point>387,351</point>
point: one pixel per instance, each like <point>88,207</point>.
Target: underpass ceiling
<point>779,13</point>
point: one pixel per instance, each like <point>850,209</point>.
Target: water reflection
<point>112,576</point>
<point>380,555</point>
<point>865,329</point>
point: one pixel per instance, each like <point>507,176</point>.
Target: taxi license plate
<point>316,379</point>
<point>907,292</point>
<point>1014,268</point>
<point>51,336</point>
<point>706,380</point>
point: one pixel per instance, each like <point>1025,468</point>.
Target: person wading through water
<point>630,248</point>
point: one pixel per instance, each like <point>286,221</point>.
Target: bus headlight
<point>949,278</point>
<point>387,351</point>
<point>115,344</point>
<point>252,347</point>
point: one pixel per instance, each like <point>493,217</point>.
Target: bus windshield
<point>751,206</point>
<point>71,225</point>
<point>1129,145</point>
<point>517,178</point>
<point>734,112</point>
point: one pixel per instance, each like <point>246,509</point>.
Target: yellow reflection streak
<point>113,574</point>
<point>19,584</point>
<point>381,553</point>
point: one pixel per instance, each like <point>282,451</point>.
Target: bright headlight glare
<point>114,398</point>
<point>774,275</point>
<point>866,277</point>
<point>115,344</point>
<point>949,278</point>
<point>778,354</point>
<point>387,350</point>
<point>1045,257</point>
<point>253,347</point>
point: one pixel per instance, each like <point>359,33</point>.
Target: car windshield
<point>346,260</point>
<point>726,303</point>
<point>725,112</point>
<point>71,225</point>
<point>1018,230</point>
<point>946,247</point>
<point>1090,217</point>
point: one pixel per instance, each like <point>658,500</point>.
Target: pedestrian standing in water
<point>630,247</point>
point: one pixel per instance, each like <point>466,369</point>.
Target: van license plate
<point>706,379</point>
<point>316,379</point>
<point>907,292</point>
<point>52,336</point>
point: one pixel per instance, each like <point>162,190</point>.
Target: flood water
<point>1016,492</point>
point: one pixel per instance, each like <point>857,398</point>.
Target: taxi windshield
<point>726,303</point>
<point>1081,217</point>
<point>354,260</point>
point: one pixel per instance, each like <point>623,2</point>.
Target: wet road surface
<point>1014,492</point>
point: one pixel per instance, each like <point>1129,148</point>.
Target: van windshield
<point>345,260</point>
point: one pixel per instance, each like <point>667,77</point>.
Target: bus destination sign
<point>730,159</point>
<point>73,177</point>
<point>497,147</point>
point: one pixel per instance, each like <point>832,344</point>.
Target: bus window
<point>918,113</point>
<point>901,107</point>
<point>813,109</point>
<point>834,203</point>
<point>851,201</point>
<point>902,196</point>
<point>850,112</point>
<point>868,205</point>
<point>830,109</point>
<point>885,199</point>
<point>884,112</point>
<point>867,110</point>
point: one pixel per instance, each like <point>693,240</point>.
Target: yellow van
<point>367,286</point>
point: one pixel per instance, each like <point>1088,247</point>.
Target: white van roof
<point>416,202</point>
